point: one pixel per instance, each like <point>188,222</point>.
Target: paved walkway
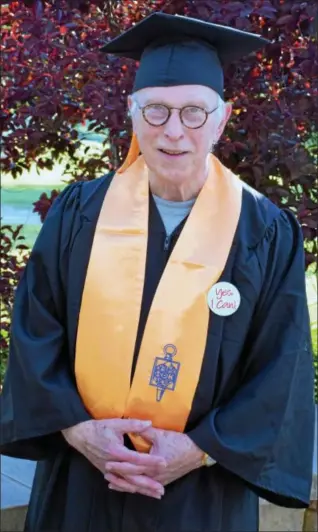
<point>16,481</point>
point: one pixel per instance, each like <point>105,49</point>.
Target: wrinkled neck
<point>178,191</point>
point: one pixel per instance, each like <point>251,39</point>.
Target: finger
<point>122,454</point>
<point>148,493</point>
<point>121,483</point>
<point>125,468</point>
<point>125,484</point>
<point>130,425</point>
<point>147,483</point>
<point>150,434</point>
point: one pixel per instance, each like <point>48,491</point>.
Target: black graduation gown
<point>253,410</point>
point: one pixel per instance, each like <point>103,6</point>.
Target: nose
<point>173,129</point>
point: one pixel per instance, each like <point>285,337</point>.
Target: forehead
<point>178,95</point>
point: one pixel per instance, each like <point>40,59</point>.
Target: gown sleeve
<point>39,396</point>
<point>264,434</point>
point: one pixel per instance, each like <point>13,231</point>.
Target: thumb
<point>150,434</point>
<point>132,425</point>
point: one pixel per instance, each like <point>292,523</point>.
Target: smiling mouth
<point>173,153</point>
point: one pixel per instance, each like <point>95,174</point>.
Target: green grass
<point>23,196</point>
<point>17,207</point>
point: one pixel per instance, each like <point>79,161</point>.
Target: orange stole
<point>179,314</point>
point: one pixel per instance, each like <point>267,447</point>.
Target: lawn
<point>18,195</point>
<point>17,208</point>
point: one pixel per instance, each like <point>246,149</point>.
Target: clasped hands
<point>172,454</point>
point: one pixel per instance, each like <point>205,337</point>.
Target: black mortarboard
<point>177,50</point>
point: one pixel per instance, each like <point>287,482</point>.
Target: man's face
<point>190,147</point>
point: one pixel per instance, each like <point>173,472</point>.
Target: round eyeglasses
<point>191,116</point>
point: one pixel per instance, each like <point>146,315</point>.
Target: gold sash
<point>174,340</point>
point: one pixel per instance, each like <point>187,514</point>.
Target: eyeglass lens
<point>191,117</point>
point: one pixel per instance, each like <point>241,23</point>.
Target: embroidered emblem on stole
<point>165,372</point>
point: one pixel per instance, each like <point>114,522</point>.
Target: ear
<point>129,104</point>
<point>226,117</point>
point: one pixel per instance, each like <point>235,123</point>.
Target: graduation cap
<point>178,50</point>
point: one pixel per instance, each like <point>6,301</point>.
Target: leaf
<point>310,223</point>
<point>267,11</point>
<point>306,67</point>
<point>64,30</point>
<point>285,20</point>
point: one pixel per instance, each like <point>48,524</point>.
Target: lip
<point>173,155</point>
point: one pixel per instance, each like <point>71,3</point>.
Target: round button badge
<point>224,299</point>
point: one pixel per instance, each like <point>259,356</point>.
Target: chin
<point>174,175</point>
<point>175,170</point>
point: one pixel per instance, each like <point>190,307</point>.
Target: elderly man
<point>160,368</point>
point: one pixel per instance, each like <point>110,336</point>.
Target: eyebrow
<point>189,103</point>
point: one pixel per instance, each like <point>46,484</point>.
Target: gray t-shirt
<point>173,212</point>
